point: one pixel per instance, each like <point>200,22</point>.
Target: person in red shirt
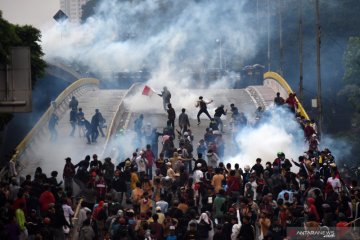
<point>233,183</point>
<point>342,225</point>
<point>46,198</point>
<point>291,102</point>
<point>150,157</point>
<point>311,208</point>
<point>20,202</point>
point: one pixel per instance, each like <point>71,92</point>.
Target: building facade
<point>72,8</point>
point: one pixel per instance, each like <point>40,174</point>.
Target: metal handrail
<point>115,121</point>
<point>275,76</point>
<point>44,118</point>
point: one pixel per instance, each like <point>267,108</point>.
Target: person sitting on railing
<point>291,102</point>
<point>278,100</point>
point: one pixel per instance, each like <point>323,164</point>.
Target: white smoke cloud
<point>164,36</point>
<point>278,132</point>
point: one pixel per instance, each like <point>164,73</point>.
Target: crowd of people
<point>87,129</point>
<point>185,191</point>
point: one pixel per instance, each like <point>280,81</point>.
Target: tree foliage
<point>12,35</point>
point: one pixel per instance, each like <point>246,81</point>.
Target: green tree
<point>12,35</point>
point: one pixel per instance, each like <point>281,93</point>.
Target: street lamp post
<point>220,52</point>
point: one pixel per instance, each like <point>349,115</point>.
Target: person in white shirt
<point>198,174</point>
<point>83,214</point>
<point>68,212</point>
<point>141,163</point>
<point>335,182</point>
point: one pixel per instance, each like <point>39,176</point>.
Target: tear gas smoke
<point>163,36</point>
<point>278,131</point>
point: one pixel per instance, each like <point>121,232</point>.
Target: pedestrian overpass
<point>120,108</point>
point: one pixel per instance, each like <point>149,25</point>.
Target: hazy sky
<point>34,12</point>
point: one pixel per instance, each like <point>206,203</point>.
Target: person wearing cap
<point>198,174</point>
<point>160,214</point>
<point>184,122</point>
<point>201,161</point>
<point>166,96</point>
<point>203,108</point>
<point>217,116</point>
<point>68,176</point>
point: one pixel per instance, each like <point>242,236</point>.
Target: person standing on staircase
<point>73,120</point>
<point>53,121</point>
<point>73,104</point>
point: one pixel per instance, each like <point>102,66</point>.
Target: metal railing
<point>114,124</point>
<point>60,105</point>
<point>280,86</point>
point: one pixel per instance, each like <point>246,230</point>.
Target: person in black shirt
<point>278,101</point>
<point>203,108</point>
<point>95,163</point>
<point>73,104</point>
<point>217,116</point>
<point>247,231</point>
<point>258,168</point>
<point>73,121</point>
<point>171,115</point>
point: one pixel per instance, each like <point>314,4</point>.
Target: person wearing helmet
<point>166,96</point>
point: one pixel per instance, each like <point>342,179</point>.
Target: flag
<point>148,91</point>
